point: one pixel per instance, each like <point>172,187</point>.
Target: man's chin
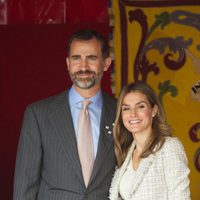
<point>84,84</point>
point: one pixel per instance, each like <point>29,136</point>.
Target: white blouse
<point>125,183</point>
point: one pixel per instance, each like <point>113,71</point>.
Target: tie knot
<point>85,103</point>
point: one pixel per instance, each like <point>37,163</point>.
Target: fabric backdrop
<point>53,11</point>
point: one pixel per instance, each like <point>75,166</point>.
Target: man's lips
<point>84,73</point>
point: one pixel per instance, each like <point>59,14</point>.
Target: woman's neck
<point>141,141</point>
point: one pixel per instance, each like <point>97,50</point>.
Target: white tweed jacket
<point>160,176</point>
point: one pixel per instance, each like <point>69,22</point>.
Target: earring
<point>153,115</point>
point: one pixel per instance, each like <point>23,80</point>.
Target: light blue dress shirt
<point>94,108</point>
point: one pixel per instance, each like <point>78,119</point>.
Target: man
<point>48,164</point>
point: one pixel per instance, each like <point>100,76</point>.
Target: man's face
<point>86,64</point>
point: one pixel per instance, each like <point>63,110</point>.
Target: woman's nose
<point>133,112</point>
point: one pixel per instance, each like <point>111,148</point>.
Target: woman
<point>152,165</point>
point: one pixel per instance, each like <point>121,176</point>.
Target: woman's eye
<point>125,109</point>
<point>141,106</point>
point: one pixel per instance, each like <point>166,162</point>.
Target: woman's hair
<point>123,138</point>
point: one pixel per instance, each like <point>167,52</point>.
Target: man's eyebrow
<point>91,56</point>
<point>75,56</point>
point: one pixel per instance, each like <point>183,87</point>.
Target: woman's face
<point>137,113</point>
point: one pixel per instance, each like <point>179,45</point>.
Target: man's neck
<point>87,93</point>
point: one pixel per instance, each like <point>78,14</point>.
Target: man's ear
<point>67,62</point>
<point>107,63</point>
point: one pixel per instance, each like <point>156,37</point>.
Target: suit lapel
<point>63,125</point>
<point>105,138</point>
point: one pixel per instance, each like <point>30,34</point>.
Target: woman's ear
<point>155,110</point>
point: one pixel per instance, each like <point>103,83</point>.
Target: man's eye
<point>92,58</point>
<point>75,58</point>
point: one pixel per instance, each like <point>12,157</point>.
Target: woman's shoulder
<point>172,141</point>
<point>173,145</point>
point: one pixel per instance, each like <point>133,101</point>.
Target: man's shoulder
<point>109,105</point>
<point>109,98</point>
<point>50,101</point>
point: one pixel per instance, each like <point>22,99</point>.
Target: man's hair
<point>88,34</point>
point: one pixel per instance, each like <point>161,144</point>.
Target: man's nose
<point>84,64</point>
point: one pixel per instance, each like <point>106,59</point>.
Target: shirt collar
<point>75,97</point>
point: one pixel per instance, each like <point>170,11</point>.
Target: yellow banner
<point>159,43</point>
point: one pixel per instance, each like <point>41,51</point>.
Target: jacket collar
<point>139,175</point>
